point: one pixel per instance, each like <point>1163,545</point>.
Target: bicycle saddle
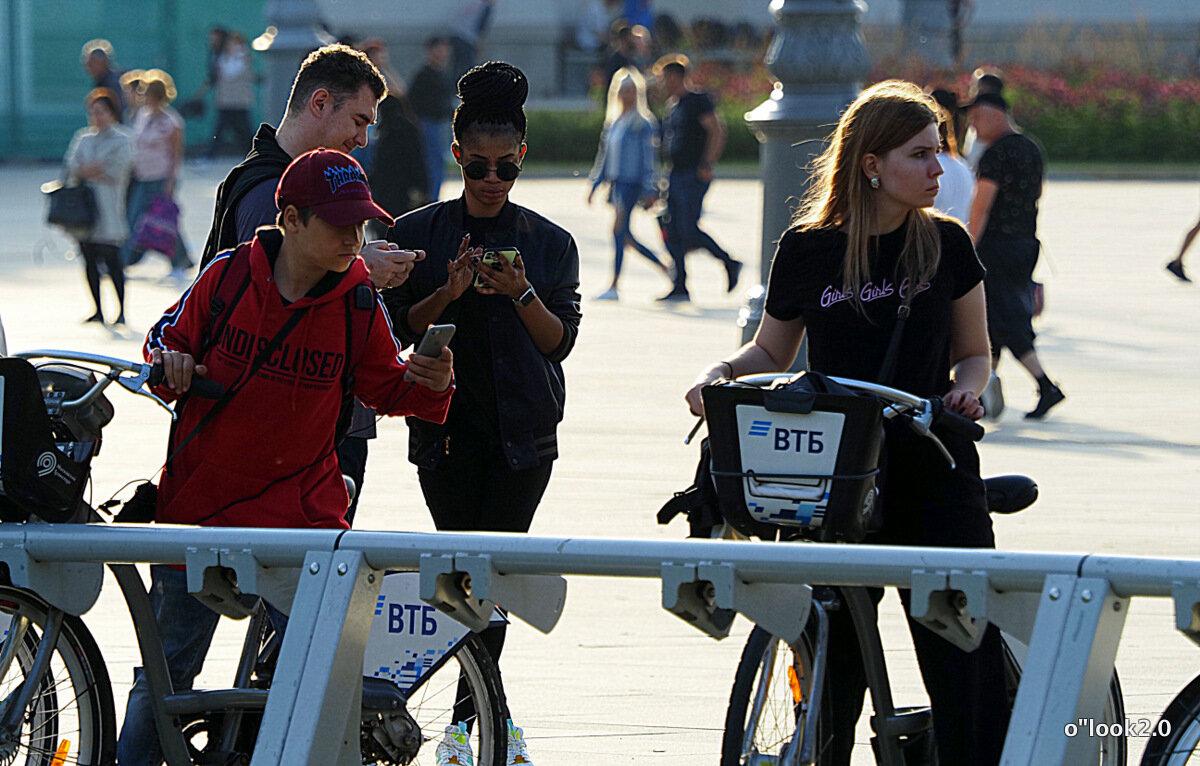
<point>1009,494</point>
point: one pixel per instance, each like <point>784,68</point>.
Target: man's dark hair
<point>339,69</point>
<point>436,40</point>
<point>672,63</point>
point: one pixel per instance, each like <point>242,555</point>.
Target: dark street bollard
<point>927,31</point>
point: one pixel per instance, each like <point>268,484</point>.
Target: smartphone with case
<point>435,339</point>
<point>492,258</point>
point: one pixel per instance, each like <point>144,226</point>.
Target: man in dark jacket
<point>334,97</point>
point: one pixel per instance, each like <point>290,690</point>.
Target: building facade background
<point>42,83</point>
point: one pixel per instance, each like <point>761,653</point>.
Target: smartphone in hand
<point>491,258</point>
<point>435,339</point>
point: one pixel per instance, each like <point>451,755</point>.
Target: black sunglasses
<point>477,170</point>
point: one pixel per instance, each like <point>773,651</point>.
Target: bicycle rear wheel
<point>1113,747</point>
<point>70,718</point>
<point>770,701</point>
<point>466,688</point>
<point>1176,737</point>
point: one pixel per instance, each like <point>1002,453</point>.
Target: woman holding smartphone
<point>487,467</point>
<point>865,243</point>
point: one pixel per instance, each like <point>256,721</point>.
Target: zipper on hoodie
<point>447,440</point>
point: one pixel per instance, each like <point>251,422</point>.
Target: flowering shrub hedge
<point>1090,112</point>
<point>1079,112</point>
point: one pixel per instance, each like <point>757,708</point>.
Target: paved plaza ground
<point>620,680</point>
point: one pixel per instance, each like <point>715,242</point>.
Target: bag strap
<point>241,382</point>
<point>888,369</point>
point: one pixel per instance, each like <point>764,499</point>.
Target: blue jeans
<point>685,202</point>
<point>186,628</point>
<point>437,139</point>
<point>141,194</point>
<point>625,197</point>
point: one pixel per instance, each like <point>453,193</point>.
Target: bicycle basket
<point>36,477</point>
<point>803,455</point>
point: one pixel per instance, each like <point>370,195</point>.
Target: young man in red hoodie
<point>268,457</point>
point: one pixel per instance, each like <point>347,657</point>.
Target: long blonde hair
<point>883,117</point>
<point>613,109</point>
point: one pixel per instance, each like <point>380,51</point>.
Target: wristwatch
<point>526,298</point>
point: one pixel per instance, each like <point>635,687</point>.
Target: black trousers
<point>927,503</point>
<point>966,690</point>
<point>95,253</point>
<point>474,490</point>
<point>352,462</point>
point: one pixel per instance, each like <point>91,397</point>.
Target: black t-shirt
<point>473,407</point>
<point>848,341</point>
<point>683,136</point>
<point>1016,165</point>
<point>432,94</point>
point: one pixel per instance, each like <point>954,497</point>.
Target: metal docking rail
<point>1070,608</point>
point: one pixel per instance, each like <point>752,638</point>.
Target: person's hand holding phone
<point>388,265</point>
<point>435,373</point>
<point>503,278</point>
<point>460,271</point>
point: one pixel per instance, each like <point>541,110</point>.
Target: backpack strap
<point>361,305</point>
<point>231,285</point>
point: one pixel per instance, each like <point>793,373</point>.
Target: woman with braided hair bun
<point>509,280</point>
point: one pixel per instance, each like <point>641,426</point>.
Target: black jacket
<point>266,159</point>
<point>530,387</point>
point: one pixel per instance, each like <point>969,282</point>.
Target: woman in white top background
<point>957,184</point>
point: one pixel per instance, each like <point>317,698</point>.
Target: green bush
<point>571,136</point>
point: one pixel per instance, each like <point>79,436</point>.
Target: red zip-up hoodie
<point>268,459</point>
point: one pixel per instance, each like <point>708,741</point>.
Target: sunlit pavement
<point>620,680</point>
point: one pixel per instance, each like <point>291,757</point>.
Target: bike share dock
<point>1070,607</point>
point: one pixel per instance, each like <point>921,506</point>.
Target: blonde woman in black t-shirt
<point>864,240</point>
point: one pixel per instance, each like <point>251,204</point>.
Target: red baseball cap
<point>333,185</point>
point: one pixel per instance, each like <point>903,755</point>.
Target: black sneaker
<point>1046,401</point>
<point>677,295</point>
<point>733,269</point>
<point>1176,268</point>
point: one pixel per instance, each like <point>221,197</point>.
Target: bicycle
<point>779,710</point>
<point>422,670</point>
<point>1175,738</point>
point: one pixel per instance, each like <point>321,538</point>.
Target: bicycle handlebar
<point>145,376</point>
<point>921,414</point>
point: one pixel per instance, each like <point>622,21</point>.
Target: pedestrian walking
<point>100,156</point>
<point>97,60</point>
<point>469,35</point>
<point>299,284</point>
<point>509,279</point>
<point>693,138</point>
<point>957,183</point>
<point>157,165</point>
<point>866,222</point>
<point>432,97</point>
<point>334,97</point>
<point>1004,226</point>
<point>626,160</point>
<point>1175,266</point>
<point>982,81</point>
<point>398,171</point>
<point>234,81</point>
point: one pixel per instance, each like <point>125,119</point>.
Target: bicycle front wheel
<point>770,701</point>
<point>70,718</point>
<point>1176,737</point>
<point>466,689</point>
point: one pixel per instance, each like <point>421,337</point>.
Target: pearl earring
<point>875,182</point>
